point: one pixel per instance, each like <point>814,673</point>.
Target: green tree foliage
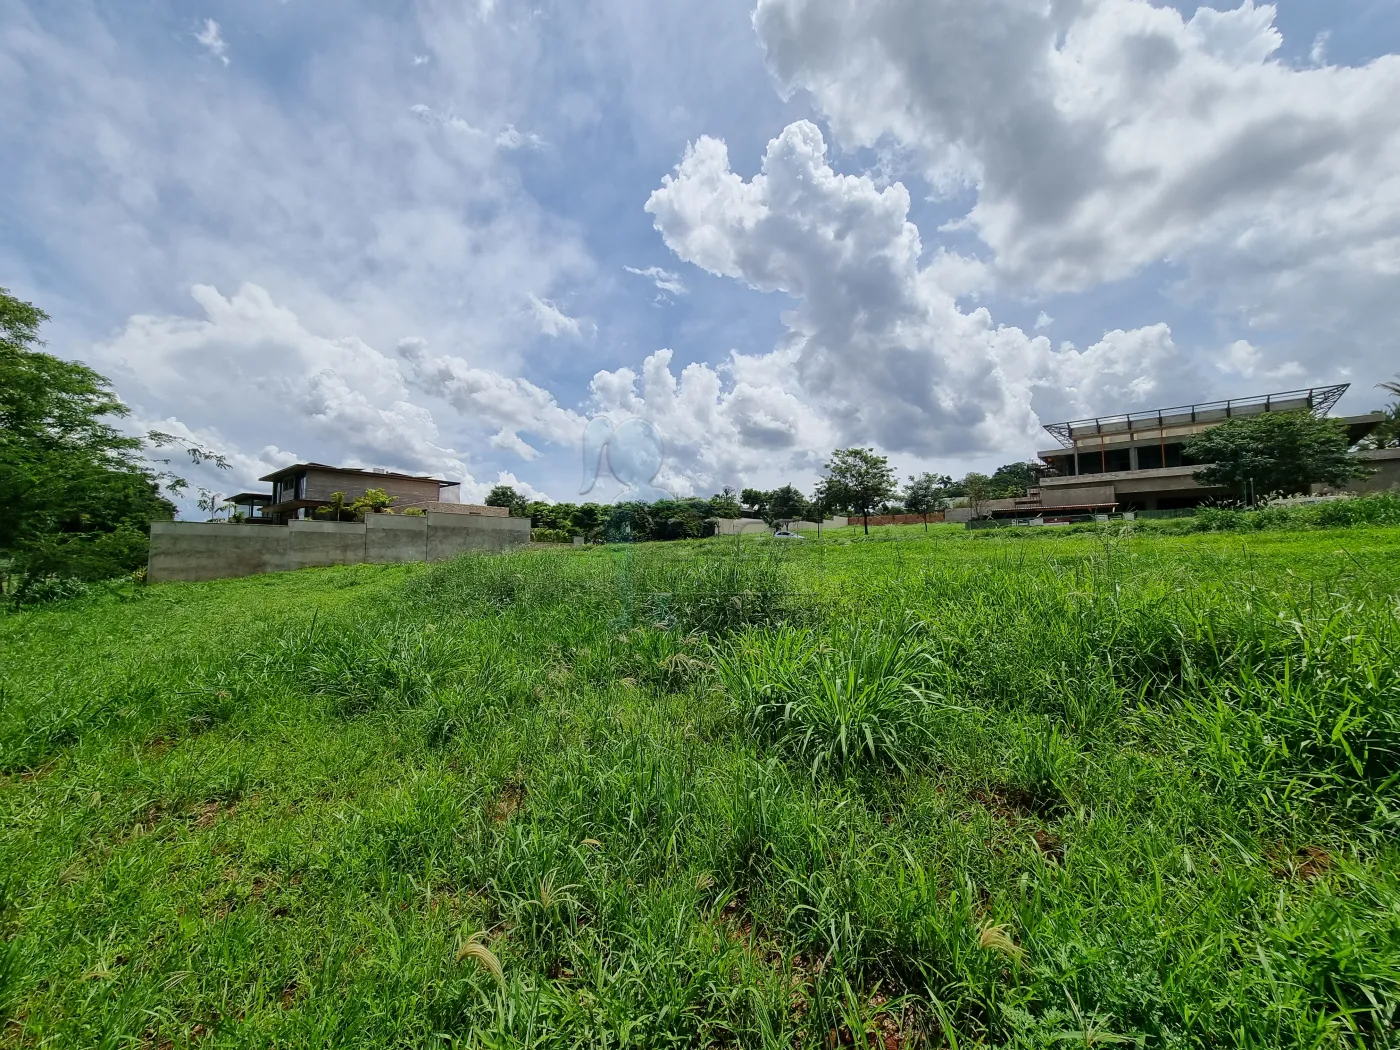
<point>755,500</point>
<point>373,501</point>
<point>978,489</point>
<point>587,520</point>
<point>1276,452</point>
<point>857,480</point>
<point>666,519</point>
<point>338,510</point>
<point>506,496</point>
<point>785,504</point>
<point>1013,480</point>
<point>1387,435</point>
<point>75,496</point>
<point>726,504</point>
<point>925,494</point>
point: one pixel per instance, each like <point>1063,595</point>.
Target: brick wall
<point>896,519</point>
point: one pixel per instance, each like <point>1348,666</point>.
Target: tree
<point>1013,480</point>
<point>588,520</point>
<point>1276,452</point>
<point>755,500</point>
<point>76,498</point>
<point>506,496</point>
<point>1387,434</point>
<point>979,489</point>
<point>924,494</point>
<point>857,479</point>
<point>785,504</point>
<point>373,501</point>
<point>338,510</point>
<point>725,504</point>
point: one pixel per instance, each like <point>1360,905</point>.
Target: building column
<point>1132,458</point>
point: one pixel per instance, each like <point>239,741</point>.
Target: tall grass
<point>1116,789</point>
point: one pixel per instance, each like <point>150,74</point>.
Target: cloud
<point>552,320</point>
<point>666,282</point>
<point>1101,137</point>
<point>876,349</point>
<point>252,366</point>
<point>502,402</point>
<point>1244,359</point>
<point>1043,320</point>
<point>510,138</point>
<point>1318,53</point>
<point>211,36</point>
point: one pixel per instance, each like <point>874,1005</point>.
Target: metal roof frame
<point>1318,400</point>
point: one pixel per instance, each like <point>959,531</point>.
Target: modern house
<point>298,490</point>
<point>252,506</point>
<point>1137,461</point>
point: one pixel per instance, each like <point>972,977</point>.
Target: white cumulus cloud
<point>1101,137</point>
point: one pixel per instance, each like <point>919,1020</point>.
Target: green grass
<point>924,789</point>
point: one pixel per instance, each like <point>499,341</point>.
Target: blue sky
<point>439,237</point>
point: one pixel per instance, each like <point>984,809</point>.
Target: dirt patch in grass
<point>1305,864</point>
<point>1049,844</point>
<point>509,801</point>
<point>1017,807</point>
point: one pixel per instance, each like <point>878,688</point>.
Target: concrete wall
<point>1386,464</point>
<point>313,543</point>
<point>457,508</point>
<point>453,534</point>
<point>734,526</point>
<point>1075,495</point>
<point>390,538</point>
<point>186,550</point>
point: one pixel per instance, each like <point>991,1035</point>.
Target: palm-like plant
<point>1389,431</point>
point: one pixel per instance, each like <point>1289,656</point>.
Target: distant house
<point>252,505</point>
<point>298,490</point>
<point>1138,460</point>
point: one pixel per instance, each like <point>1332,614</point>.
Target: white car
<point>784,534</point>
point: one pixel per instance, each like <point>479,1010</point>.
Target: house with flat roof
<point>252,506</point>
<point>1135,461</point>
<point>298,490</point>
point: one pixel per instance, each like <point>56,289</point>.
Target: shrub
<point>832,708</point>
<point>714,594</point>
<point>551,536</point>
<point>362,664</point>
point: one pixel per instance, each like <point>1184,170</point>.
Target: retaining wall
<point>186,550</point>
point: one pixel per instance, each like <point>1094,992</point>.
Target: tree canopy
<point>506,496</point>
<point>857,480</point>
<point>1281,453</point>
<point>925,494</point>
<point>75,495</point>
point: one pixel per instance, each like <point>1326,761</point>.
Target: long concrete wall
<point>186,550</point>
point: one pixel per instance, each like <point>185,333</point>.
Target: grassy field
<point>907,791</point>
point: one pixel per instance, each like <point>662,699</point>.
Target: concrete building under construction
<point>1137,461</point>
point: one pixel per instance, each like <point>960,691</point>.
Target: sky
<point>440,237</point>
